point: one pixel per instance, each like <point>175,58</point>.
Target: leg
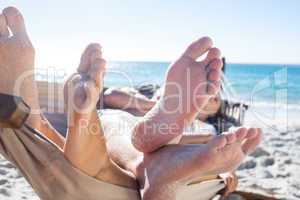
<point>121,100</point>
<point>189,85</point>
<point>188,162</point>
<point>85,145</point>
<point>17,69</point>
<point>222,154</point>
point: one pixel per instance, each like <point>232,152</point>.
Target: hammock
<point>52,176</point>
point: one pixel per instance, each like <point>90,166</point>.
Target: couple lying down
<point>146,157</point>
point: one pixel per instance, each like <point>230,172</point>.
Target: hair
<point>224,64</point>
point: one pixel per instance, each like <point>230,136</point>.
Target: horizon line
<point>234,62</point>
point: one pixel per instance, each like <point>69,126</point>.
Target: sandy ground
<point>12,184</point>
<point>274,169</point>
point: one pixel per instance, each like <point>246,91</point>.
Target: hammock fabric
<point>44,166</point>
<point>50,174</point>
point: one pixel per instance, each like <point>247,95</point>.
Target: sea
<point>272,91</point>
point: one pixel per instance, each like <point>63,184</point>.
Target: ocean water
<point>264,82</point>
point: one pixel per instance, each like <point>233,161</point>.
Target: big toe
<point>15,20</point>
<point>3,27</point>
<point>94,85</point>
<point>214,76</point>
<point>250,144</point>
<point>198,48</point>
<point>85,61</point>
<point>213,53</point>
<point>230,137</point>
<point>97,68</point>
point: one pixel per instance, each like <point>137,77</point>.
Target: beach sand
<point>272,169</point>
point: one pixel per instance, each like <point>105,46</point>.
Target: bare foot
<point>160,176</point>
<point>189,85</point>
<point>85,145</point>
<point>17,62</point>
<point>82,89</point>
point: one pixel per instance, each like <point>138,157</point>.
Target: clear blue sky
<point>256,31</point>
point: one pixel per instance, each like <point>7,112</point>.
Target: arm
<point>122,100</point>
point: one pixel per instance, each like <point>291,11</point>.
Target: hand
<point>231,182</point>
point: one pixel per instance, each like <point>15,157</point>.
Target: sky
<point>256,31</point>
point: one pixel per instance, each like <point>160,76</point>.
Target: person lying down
<point>137,104</point>
<point>142,157</point>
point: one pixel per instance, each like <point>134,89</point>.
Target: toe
<point>3,27</point>
<point>92,93</point>
<point>218,142</point>
<point>213,53</point>
<point>198,48</point>
<point>85,61</point>
<point>214,76</point>
<point>215,64</point>
<point>15,20</point>
<point>252,132</point>
<point>98,68</point>
<point>250,144</point>
<point>213,88</point>
<point>94,86</point>
<point>241,133</point>
<point>230,138</point>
